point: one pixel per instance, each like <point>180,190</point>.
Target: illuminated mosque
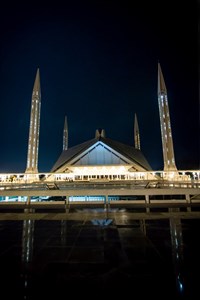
<point>102,156</point>
<point>102,169</point>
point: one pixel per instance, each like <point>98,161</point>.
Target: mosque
<point>101,153</point>
<point>102,169</point>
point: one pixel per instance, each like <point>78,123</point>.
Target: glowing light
<point>101,222</point>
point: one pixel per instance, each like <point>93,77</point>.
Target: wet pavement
<point>95,257</point>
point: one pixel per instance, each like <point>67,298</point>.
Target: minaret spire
<point>33,142</point>
<point>166,133</point>
<point>65,135</point>
<point>136,134</point>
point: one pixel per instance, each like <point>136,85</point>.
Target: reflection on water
<point>143,226</point>
<point>177,252</point>
<point>63,232</point>
<point>27,240</point>
<point>27,253</point>
<point>110,254</point>
<point>101,222</point>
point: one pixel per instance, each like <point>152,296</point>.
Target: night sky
<point>98,66</point>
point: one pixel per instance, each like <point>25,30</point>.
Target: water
<point>96,257</point>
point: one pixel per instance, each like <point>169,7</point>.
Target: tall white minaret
<point>166,132</point>
<point>65,135</point>
<point>136,134</point>
<point>34,129</point>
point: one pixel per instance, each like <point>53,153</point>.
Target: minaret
<point>136,134</point>
<point>33,142</point>
<point>65,135</point>
<point>166,133</point>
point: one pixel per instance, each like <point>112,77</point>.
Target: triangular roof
<point>126,154</point>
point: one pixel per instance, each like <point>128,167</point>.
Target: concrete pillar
<point>147,203</point>
<point>67,206</point>
<point>106,202</point>
<point>106,206</point>
<point>188,201</point>
<point>28,202</point>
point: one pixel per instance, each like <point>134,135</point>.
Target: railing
<point>189,177</point>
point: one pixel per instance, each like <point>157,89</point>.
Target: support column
<point>28,202</point>
<point>188,201</point>
<point>147,203</point>
<point>67,206</point>
<point>106,204</point>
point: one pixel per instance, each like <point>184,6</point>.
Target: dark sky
<point>98,66</point>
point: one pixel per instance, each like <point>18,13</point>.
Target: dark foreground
<point>98,257</point>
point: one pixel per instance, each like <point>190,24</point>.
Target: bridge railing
<point>188,176</point>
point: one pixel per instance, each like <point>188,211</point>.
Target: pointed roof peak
<point>65,120</point>
<point>136,122</point>
<point>161,83</point>
<point>36,87</point>
<point>65,123</point>
<point>136,133</point>
<point>38,73</point>
<point>135,116</point>
<point>65,135</point>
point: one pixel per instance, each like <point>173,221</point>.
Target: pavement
<point>99,253</point>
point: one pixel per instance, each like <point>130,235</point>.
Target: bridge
<point>96,185</point>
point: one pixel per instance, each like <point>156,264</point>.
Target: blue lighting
<point>180,284</point>
<point>101,222</point>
